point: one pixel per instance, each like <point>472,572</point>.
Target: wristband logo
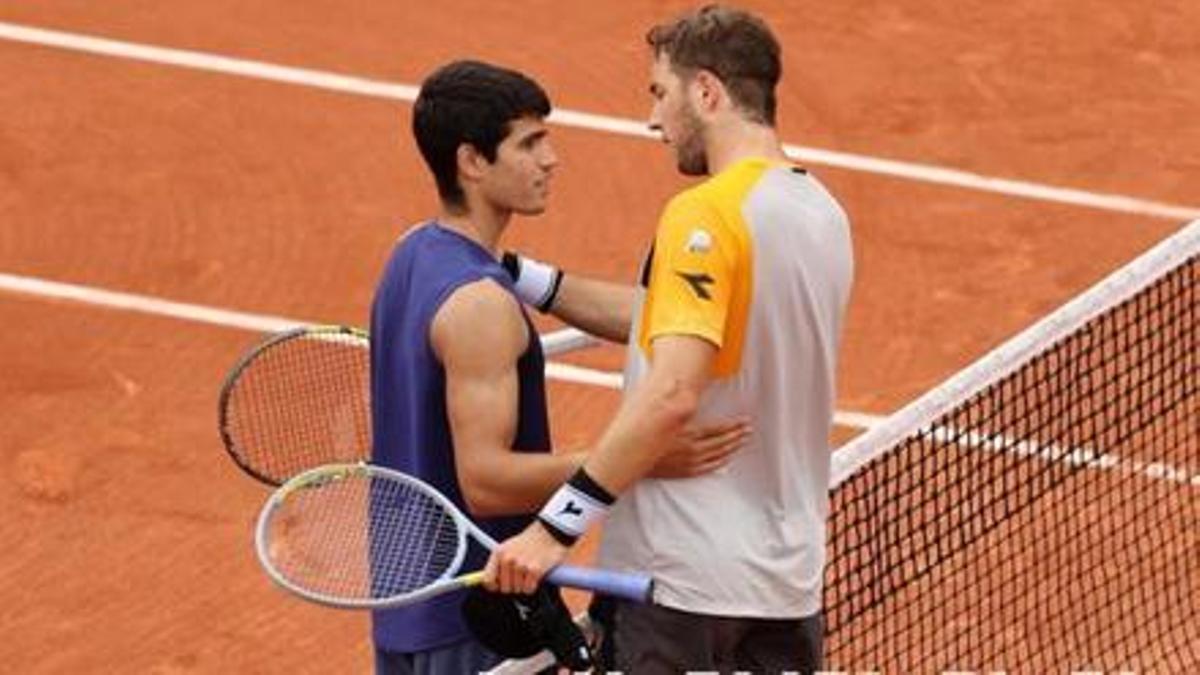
<point>570,509</point>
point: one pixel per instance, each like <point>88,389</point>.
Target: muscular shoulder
<point>479,320</point>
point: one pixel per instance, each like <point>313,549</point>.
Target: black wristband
<point>511,263</point>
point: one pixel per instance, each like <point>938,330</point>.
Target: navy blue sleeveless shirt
<point>411,429</point>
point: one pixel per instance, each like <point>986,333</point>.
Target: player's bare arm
<point>479,335</point>
<point>657,411</point>
<point>602,308</point>
<point>481,398</point>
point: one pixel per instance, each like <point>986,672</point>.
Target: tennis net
<point>1040,511</point>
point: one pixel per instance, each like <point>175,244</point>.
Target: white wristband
<point>572,511</point>
<point>536,283</point>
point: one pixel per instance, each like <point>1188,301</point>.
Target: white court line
<point>1076,457</point>
<point>245,321</point>
<point>620,126</point>
<point>145,304</point>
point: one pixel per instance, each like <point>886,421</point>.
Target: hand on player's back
<point>702,449</point>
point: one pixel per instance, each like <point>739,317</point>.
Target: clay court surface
<point>128,531</point>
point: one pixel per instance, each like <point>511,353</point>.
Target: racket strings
<point>416,543</point>
<point>309,394</point>
<point>361,538</point>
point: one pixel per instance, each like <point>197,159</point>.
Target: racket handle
<point>635,587</point>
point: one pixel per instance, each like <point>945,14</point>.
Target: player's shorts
<point>648,640</point>
<point>467,656</point>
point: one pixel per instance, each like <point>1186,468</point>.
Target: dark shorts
<point>464,657</point>
<point>649,640</point>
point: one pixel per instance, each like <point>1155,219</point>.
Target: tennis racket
<point>363,536</point>
<point>299,399</point>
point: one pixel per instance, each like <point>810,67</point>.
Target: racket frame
<point>229,385</point>
<point>636,587</point>
<point>323,475</point>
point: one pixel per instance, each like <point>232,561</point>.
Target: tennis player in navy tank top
<point>457,373</point>
<point>408,392</point>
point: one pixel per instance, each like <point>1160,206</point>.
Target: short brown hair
<point>732,44</point>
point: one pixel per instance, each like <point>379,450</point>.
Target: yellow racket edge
<point>472,579</point>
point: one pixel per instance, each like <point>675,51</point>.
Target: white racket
<point>363,536</point>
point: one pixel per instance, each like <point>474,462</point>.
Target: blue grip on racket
<point>635,587</point>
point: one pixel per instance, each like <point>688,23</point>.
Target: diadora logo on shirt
<point>699,241</point>
<point>698,282</point>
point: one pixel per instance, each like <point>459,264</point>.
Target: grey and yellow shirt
<point>757,260</point>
